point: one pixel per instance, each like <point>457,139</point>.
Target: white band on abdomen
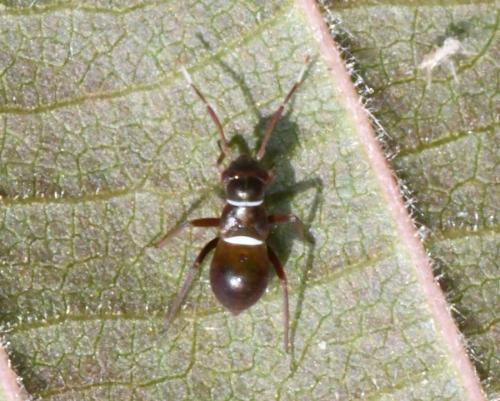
<point>243,240</point>
<point>244,203</point>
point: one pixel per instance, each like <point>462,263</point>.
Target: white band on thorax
<point>244,203</point>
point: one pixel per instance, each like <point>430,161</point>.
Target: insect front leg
<point>280,272</point>
<point>204,222</point>
<point>189,279</point>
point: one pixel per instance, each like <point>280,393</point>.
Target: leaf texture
<point>445,140</point>
<point>103,148</point>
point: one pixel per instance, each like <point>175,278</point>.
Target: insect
<point>240,266</point>
<point>443,55</point>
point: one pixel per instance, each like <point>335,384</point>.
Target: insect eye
<point>226,176</point>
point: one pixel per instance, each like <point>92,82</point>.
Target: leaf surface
<point>445,139</point>
<point>103,148</point>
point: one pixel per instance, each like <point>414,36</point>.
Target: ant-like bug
<point>240,267</point>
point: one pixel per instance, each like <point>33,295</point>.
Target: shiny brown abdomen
<point>239,274</point>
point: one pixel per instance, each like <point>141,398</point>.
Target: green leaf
<point>445,138</point>
<point>103,148</point>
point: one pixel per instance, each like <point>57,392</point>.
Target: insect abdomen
<point>239,274</point>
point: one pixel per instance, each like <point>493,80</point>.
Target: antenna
<point>210,110</point>
<point>277,114</point>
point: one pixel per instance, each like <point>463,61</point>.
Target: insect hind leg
<point>280,272</point>
<point>189,280</point>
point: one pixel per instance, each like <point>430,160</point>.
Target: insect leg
<point>205,222</point>
<point>280,272</point>
<point>189,279</point>
<point>451,66</point>
<point>210,110</point>
<point>277,113</point>
<point>289,218</point>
